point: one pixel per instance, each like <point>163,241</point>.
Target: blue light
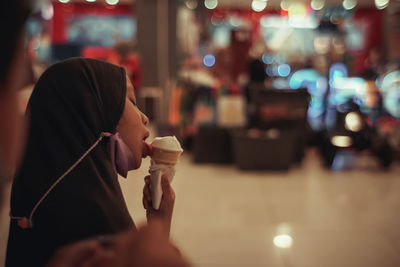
<point>284,70</point>
<point>392,101</point>
<point>316,86</point>
<point>390,80</point>
<point>275,70</point>
<point>268,58</point>
<point>209,60</point>
<point>305,78</point>
<point>337,70</point>
<point>270,72</point>
<point>342,160</point>
<point>348,88</point>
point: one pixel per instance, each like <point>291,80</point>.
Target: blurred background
<point>288,111</point>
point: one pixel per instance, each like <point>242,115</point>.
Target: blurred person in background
<point>130,248</point>
<point>257,77</point>
<point>374,65</point>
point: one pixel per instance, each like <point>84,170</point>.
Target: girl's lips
<point>147,150</point>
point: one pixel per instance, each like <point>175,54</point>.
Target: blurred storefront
<point>63,29</point>
<point>266,73</point>
<point>246,67</point>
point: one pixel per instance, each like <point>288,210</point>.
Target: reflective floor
<point>307,217</point>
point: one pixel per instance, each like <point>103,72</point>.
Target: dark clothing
<point>257,71</point>
<point>13,15</point>
<point>72,103</point>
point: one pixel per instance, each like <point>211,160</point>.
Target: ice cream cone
<point>165,156</point>
<point>166,152</point>
<point>156,190</point>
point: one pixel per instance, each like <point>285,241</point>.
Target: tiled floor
<point>227,217</point>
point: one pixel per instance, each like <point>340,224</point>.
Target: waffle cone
<point>165,156</point>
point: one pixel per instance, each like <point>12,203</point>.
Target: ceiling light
<point>349,4</point>
<point>381,4</point>
<point>285,5</point>
<point>211,4</point>
<point>317,4</point>
<point>258,5</point>
<point>191,4</point>
<point>112,2</point>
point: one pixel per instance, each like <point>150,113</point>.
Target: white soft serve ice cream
<point>166,149</point>
<point>167,142</point>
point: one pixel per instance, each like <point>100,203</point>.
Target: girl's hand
<point>164,213</point>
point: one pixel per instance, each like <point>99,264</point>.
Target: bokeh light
<point>392,101</point>
<point>349,4</point>
<point>271,71</point>
<point>268,71</point>
<point>317,4</point>
<point>235,21</point>
<point>297,9</point>
<point>389,80</point>
<point>258,5</point>
<point>285,5</point>
<point>284,70</point>
<point>381,4</point>
<point>303,79</point>
<point>268,58</point>
<point>191,4</point>
<point>64,1</point>
<point>341,141</point>
<point>337,70</point>
<point>47,11</point>
<point>112,2</point>
<point>211,4</point>
<point>283,241</point>
<point>209,60</point>
<point>353,122</point>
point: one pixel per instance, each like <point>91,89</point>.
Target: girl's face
<point>132,127</point>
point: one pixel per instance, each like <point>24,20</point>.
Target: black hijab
<point>72,103</point>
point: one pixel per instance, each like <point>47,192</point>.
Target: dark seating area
<point>274,139</point>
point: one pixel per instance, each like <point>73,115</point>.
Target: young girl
<point>85,128</point>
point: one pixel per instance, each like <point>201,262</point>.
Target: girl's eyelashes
<point>132,101</point>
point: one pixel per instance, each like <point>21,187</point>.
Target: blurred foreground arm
<point>85,253</point>
<point>147,247</point>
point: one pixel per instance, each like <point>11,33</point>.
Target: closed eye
<point>133,102</point>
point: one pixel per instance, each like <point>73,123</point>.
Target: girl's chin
<point>138,163</point>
